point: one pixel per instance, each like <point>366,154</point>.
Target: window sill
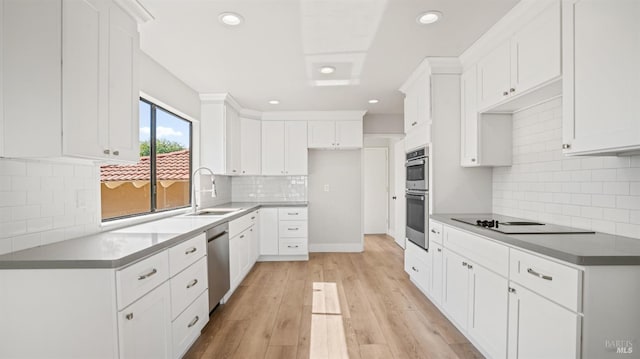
<point>126,222</point>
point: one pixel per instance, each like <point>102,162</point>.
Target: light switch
<point>326,188</point>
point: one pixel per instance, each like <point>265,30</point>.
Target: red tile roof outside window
<point>170,166</point>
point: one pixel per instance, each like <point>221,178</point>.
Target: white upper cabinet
<point>250,148</point>
<point>232,141</point>
<point>524,63</point>
<point>417,101</point>
<point>485,139</point>
<point>221,135</point>
<point>601,83</point>
<point>284,148</point>
<point>92,100</point>
<point>335,134</point>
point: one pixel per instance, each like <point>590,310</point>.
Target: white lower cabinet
<point>283,233</point>
<point>242,243</point>
<point>437,257</point>
<point>145,326</point>
<point>539,328</point>
<point>456,288</point>
<point>417,263</point>
<point>186,328</point>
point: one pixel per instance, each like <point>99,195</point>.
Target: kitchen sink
<point>215,211</point>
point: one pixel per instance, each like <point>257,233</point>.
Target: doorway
<point>376,190</point>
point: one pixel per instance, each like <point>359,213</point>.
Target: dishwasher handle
<point>217,236</point>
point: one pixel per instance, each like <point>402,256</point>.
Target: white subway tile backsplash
<point>39,205</point>
<point>592,192</point>
<point>269,188</point>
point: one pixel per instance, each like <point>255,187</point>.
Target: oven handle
<point>414,163</point>
<point>414,196</point>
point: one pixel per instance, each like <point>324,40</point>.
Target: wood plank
<point>325,298</point>
<point>281,352</point>
<point>375,351</point>
<point>327,337</point>
<point>287,323</point>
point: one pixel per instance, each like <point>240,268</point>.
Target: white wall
<point>335,217</point>
<point>598,193</point>
<point>383,123</point>
<point>46,201</point>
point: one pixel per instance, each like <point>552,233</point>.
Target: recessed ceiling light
<point>274,102</point>
<point>374,101</point>
<point>230,18</point>
<point>429,17</point>
<point>327,70</point>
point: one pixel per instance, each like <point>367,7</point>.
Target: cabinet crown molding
<point>432,66</point>
<point>136,10</point>
<point>219,98</point>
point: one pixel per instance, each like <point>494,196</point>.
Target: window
<point>161,180</point>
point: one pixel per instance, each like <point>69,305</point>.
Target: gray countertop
<point>126,245</point>
<point>581,249</point>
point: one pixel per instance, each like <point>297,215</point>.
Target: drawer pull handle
<point>293,229</point>
<point>129,316</point>
<point>296,246</point>
<point>464,264</point>
<point>145,276</point>
<point>439,249</point>
<point>190,250</point>
<point>414,269</point>
<point>434,231</point>
<point>193,282</point>
<point>293,214</point>
<point>242,236</point>
<point>193,322</point>
<point>469,266</point>
<point>253,217</point>
<point>539,275</point>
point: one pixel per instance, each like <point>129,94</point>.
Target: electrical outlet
<point>326,188</point>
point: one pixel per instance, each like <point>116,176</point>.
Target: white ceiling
<point>275,53</point>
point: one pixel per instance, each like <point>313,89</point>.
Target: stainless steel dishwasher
<point>218,263</point>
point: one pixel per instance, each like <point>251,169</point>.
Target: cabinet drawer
<point>293,246</point>
<point>489,254</point>
<point>238,225</point>
<point>558,282</point>
<point>292,213</point>
<point>417,269</point>
<point>186,328</point>
<point>186,253</point>
<point>417,252</point>
<point>293,229</point>
<point>187,286</point>
<point>435,232</point>
<point>140,278</point>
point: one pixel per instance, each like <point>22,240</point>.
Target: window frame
<point>153,183</point>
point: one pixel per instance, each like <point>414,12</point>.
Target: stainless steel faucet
<point>194,205</point>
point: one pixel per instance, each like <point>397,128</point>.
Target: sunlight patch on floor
<point>328,339</point>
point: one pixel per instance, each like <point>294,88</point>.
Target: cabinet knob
<point>506,93</point>
<point>394,197</point>
<point>512,90</point>
<point>116,153</point>
<point>243,171</point>
<point>414,269</point>
<point>464,264</point>
<point>473,160</point>
<point>566,146</point>
<point>242,236</point>
<point>439,249</point>
<point>106,152</point>
<point>414,123</point>
<point>129,316</point>
<point>512,290</point>
<point>469,266</point>
<point>234,171</point>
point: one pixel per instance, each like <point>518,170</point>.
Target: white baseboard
<point>283,258</point>
<point>336,247</point>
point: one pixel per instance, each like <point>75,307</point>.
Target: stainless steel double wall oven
<point>417,195</point>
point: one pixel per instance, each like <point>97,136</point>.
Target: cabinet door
<point>295,148</point>
<point>269,231</point>
<point>437,272</point>
<point>535,51</point>
<point>232,137</point>
<point>321,134</point>
<point>124,92</point>
<point>349,134</point>
<point>273,147</point>
<point>539,328</point>
<point>144,327</point>
<point>423,98</point>
<point>410,109</point>
<point>245,252</point>
<point>456,287</point>
<point>469,118</point>
<point>494,76</point>
<point>85,45</point>
<point>250,146</point>
<point>234,261</point>
<point>601,81</point>
<point>488,311</point>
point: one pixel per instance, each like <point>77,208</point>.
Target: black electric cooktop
<point>519,226</point>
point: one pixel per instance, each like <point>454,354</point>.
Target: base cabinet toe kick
<point>513,303</point>
<point>153,308</point>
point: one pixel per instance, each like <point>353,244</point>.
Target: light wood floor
<point>383,314</point>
